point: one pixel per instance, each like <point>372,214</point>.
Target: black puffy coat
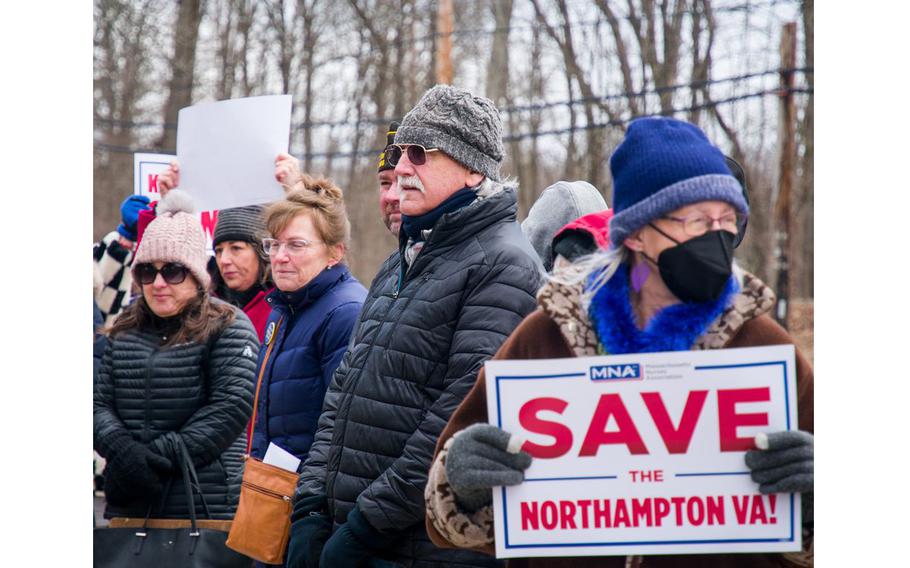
<point>202,391</point>
<point>421,339</point>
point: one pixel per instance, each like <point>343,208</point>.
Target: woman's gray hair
<point>603,262</point>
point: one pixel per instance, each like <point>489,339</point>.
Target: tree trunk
<point>805,281</point>
<point>180,87</point>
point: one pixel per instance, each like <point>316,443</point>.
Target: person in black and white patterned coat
<point>113,256</point>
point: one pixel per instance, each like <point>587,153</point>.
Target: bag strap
<point>265,361</point>
<point>191,479</point>
<point>188,488</point>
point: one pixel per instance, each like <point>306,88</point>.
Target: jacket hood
<point>558,205</point>
<point>597,225</point>
<point>496,201</point>
<point>561,299</point>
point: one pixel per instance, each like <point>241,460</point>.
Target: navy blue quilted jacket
<point>308,333</point>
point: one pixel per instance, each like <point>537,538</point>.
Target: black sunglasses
<point>172,273</point>
<point>417,154</point>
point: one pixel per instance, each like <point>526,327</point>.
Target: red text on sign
<point>209,218</point>
<point>646,476</point>
<point>676,438</point>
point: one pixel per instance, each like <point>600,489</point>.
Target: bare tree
<point>574,71</point>
<point>122,54</point>
<point>559,70</point>
<point>180,86</point>
<point>233,22</point>
<point>803,249</point>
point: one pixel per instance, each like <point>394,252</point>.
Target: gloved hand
<point>129,215</point>
<point>784,462</point>
<point>310,530</point>
<point>480,458</point>
<point>133,473</point>
<point>355,543</point>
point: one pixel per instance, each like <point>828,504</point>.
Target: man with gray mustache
<point>462,279</point>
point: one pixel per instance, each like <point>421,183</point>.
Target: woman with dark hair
<point>240,268</point>
<point>243,276</point>
<point>179,365</point>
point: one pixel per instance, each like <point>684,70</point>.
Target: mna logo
<point>612,372</point>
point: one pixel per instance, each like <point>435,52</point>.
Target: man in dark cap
<point>388,186</point>
<point>462,279</point>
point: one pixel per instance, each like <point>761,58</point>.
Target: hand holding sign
<point>784,462</point>
<point>483,456</point>
<point>169,179</point>
<point>287,170</point>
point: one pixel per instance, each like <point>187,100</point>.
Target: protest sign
<point>146,169</point>
<point>643,454</point>
<point>227,150</point>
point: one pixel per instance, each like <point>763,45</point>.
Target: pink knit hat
<point>175,236</point>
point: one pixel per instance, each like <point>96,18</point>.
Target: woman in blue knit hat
<point>667,283</point>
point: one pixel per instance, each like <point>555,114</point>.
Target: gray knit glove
<point>784,462</point>
<point>480,458</point>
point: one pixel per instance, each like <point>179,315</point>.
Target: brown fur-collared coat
<point>561,328</point>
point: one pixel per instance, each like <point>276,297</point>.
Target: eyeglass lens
<point>416,154</point>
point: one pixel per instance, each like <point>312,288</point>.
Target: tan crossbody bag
<point>263,520</point>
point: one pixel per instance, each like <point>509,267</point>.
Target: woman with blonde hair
<point>314,308</point>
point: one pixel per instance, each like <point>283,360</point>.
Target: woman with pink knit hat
<point>177,373</point>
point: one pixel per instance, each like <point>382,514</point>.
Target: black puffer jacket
<point>418,346</point>
<point>149,390</point>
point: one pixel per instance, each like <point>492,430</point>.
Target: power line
<point>505,110</point>
<point>508,138</point>
<point>533,24</point>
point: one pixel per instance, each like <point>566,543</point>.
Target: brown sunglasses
<point>417,154</point>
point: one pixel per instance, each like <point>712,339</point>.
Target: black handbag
<point>145,547</point>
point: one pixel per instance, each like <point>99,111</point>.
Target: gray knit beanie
<point>240,224</point>
<point>467,128</point>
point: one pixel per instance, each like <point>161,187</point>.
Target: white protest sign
<point>227,150</point>
<point>146,169</point>
<point>643,454</point>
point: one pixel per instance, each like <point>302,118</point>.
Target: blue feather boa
<point>674,328</point>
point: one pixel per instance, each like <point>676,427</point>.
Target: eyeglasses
<point>172,272</point>
<point>417,154</point>
<point>294,247</point>
<point>697,224</point>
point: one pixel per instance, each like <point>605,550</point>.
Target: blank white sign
<point>227,150</point>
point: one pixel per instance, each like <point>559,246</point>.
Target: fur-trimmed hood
<point>563,303</point>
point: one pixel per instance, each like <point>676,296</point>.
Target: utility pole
<point>787,160</point>
<point>444,27</point>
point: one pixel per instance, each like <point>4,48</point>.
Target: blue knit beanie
<point>129,215</point>
<point>664,164</point>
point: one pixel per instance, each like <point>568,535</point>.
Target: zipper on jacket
<point>398,286</point>
<point>344,407</point>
